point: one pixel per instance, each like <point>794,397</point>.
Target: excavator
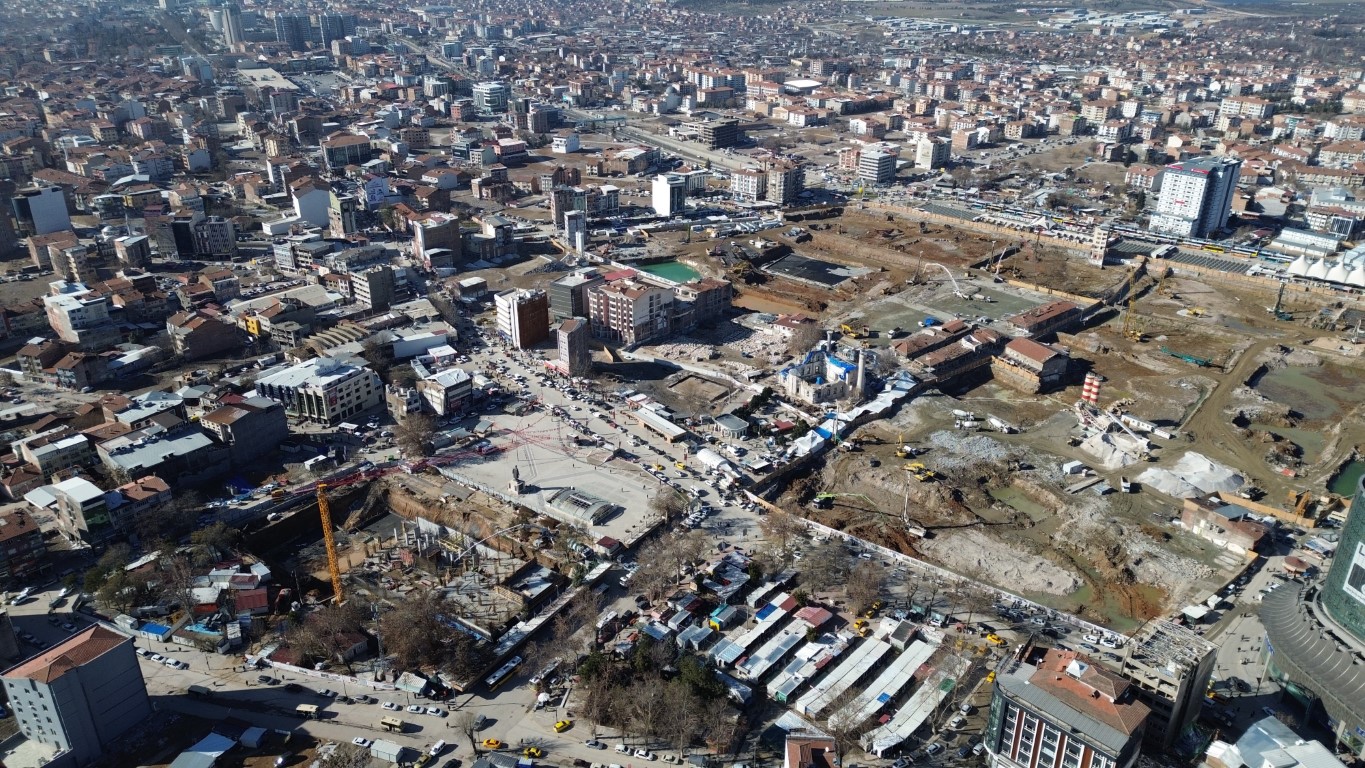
<point>920,472</point>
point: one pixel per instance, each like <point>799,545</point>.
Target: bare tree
<point>648,703</point>
<point>414,433</point>
<point>843,724</point>
<point>680,718</point>
<point>464,722</point>
<point>803,338</point>
<point>779,529</point>
<point>826,566</point>
<point>668,503</point>
<point>865,583</point>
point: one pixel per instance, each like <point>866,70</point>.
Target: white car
<point>361,741</point>
<point>437,748</point>
<point>416,709</point>
<point>644,754</point>
<point>389,705</point>
<point>436,712</point>
<point>1091,638</point>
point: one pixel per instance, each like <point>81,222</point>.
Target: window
<point>1029,735</point>
<point>1072,757</point>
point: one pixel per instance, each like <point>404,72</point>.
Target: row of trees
<point>415,632</point>
<point>169,580</point>
<point>651,698</point>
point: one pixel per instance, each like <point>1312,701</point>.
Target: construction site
<point>1202,386</point>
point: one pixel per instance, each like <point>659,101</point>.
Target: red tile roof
<point>79,650</point>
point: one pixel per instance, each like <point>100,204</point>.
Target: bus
<point>505,671</point>
<point>307,711</point>
<point>1211,248</point>
<point>391,724</point>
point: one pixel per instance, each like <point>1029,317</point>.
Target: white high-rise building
<point>491,98</point>
<point>670,194</point>
<point>576,230</point>
<point>1196,196</point>
<point>877,163</point>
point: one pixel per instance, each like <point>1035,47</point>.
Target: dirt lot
<point>999,511</point>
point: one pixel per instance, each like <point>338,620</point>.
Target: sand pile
<point>1194,475</point>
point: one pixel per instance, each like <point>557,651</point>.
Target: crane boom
<point>333,568</point>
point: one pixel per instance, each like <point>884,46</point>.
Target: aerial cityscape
<point>750,384</point>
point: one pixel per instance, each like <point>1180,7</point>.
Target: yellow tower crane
<point>333,567</point>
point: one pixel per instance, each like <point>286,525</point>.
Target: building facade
<point>1059,709</point>
<point>324,390</point>
<point>523,317</point>
<point>81,695</point>
<point>1196,196</point>
<point>630,311</point>
<point>575,356</point>
<point>669,194</point>
<point>569,294</point>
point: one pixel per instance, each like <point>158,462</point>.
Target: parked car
<point>594,744</point>
<point>492,744</point>
<point>362,742</point>
<point>933,749</point>
<point>644,754</point>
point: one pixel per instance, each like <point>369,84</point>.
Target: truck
<point>929,322</point>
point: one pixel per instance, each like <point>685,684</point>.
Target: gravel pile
<point>962,450</point>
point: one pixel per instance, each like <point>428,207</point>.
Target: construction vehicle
<point>1278,309</point>
<point>826,500</point>
<point>1196,311</point>
<point>920,472</point>
<point>329,539</point>
<point>852,332</point>
<point>1202,362</point>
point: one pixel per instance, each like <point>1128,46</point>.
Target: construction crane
<point>1132,327</point>
<point>333,567</point>
<point>1278,309</point>
<point>957,290</point>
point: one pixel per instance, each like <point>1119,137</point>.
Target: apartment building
<point>575,356</point>
<point>195,335</point>
<point>1058,708</point>
<point>325,390</point>
<point>569,294</point>
<point>630,311</point>
<point>748,185</point>
<point>1196,196</point>
<point>877,163</point>
<point>786,181</point>
<point>80,316</point>
<point>79,696</point>
<point>1168,667</point>
<point>523,317</point>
